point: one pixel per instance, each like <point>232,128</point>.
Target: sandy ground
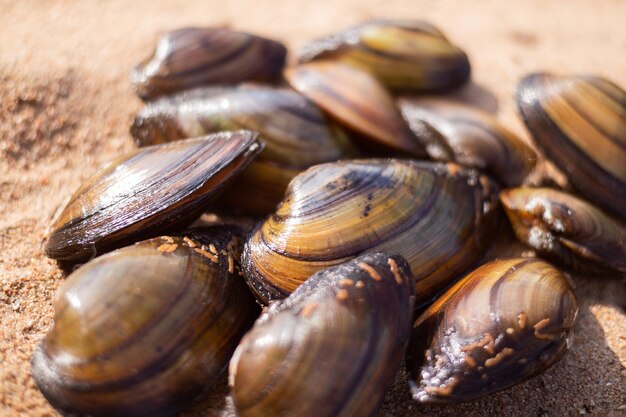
<point>66,104</point>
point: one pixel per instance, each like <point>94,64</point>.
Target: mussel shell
<point>580,123</point>
<point>471,138</point>
<point>566,229</point>
<point>332,347</point>
<point>402,54</point>
<point>144,329</point>
<point>440,218</point>
<point>358,101</point>
<point>148,192</point>
<point>505,322</point>
<point>190,57</point>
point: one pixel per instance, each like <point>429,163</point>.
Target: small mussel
<point>580,123</point>
<point>148,192</point>
<point>402,54</point>
<point>470,137</point>
<point>295,132</point>
<point>502,324</point>
<point>332,347</point>
<point>440,218</point>
<point>358,101</point>
<point>190,57</point>
<point>565,229</point>
<point>144,329</point>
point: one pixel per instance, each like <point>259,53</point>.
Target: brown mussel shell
<point>332,347</point>
<point>580,123</point>
<point>502,324</point>
<point>566,229</point>
<point>191,57</point>
<point>402,54</point>
<point>358,101</point>
<point>471,138</point>
<point>440,218</point>
<point>143,330</point>
<point>295,132</point>
<point>148,192</point>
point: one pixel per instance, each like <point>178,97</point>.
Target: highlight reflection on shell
<point>440,218</point>
<point>566,229</point>
<point>144,329</point>
<point>191,57</point>
<point>402,54</point>
<point>502,324</point>
<point>580,123</point>
<point>470,137</point>
<point>295,132</point>
<point>358,101</point>
<point>148,192</point>
<point>332,347</point>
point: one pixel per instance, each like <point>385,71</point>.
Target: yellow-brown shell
<point>440,218</point>
<point>503,323</point>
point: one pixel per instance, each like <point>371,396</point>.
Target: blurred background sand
<point>66,104</point>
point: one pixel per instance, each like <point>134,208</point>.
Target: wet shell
<point>500,325</point>
<point>358,101</point>
<point>144,329</point>
<point>190,57</point>
<point>580,123</point>
<point>402,54</point>
<point>295,132</point>
<point>565,229</point>
<point>332,347</point>
<point>440,218</point>
<point>148,192</point>
<point>471,138</point>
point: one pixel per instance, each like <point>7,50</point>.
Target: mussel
<point>566,229</point>
<point>144,329</point>
<point>502,324</point>
<point>358,101</point>
<point>580,123</point>
<point>190,57</point>
<point>332,347</point>
<point>148,192</point>
<point>402,54</point>
<point>470,137</point>
<point>295,132</point>
<point>440,218</point>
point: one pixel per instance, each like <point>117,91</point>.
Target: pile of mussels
<point>362,261</point>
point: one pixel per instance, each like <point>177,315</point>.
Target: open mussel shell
<point>332,347</point>
<point>471,138</point>
<point>505,322</point>
<point>190,57</point>
<point>402,54</point>
<point>440,218</point>
<point>148,192</point>
<point>580,123</point>
<point>566,229</point>
<point>144,329</point>
<point>358,101</point>
<point>295,132</point>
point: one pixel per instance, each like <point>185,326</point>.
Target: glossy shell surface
<point>144,329</point>
<point>191,57</point>
<point>439,217</point>
<point>505,322</point>
<point>358,101</point>
<point>580,123</point>
<point>402,54</point>
<point>147,192</point>
<point>566,229</point>
<point>471,138</point>
<point>332,347</point>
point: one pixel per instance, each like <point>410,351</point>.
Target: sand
<point>66,104</point>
